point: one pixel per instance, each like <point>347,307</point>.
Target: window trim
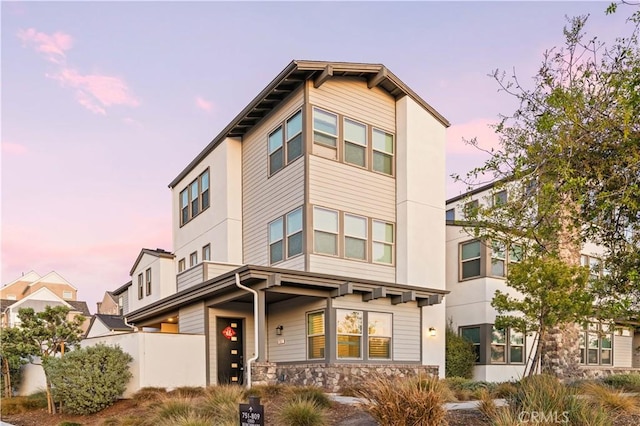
<point>336,234</point>
<point>497,198</point>
<point>323,334</point>
<point>278,238</point>
<point>140,286</point>
<point>361,335</point>
<point>365,239</point>
<point>322,132</point>
<point>64,294</point>
<point>392,244</point>
<point>461,261</point>
<point>193,259</point>
<point>364,146</point>
<point>288,139</point>
<point>369,336</point>
<point>279,149</point>
<point>392,154</point>
<point>182,265</point>
<point>478,352</point>
<point>597,330</point>
<point>147,280</point>
<point>288,235</point>
<point>198,199</point>
<point>206,253</point>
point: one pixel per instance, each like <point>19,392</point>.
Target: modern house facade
<point>476,269</point>
<point>308,236</point>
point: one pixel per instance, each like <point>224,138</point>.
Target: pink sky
<point>104,103</point>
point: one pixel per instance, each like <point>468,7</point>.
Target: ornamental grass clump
<point>405,401</point>
<point>301,411</point>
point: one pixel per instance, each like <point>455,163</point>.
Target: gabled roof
<point>294,75</point>
<point>51,278</point>
<point>38,302</point>
<point>157,253</point>
<point>5,303</point>
<point>80,307</point>
<point>118,291</point>
<point>29,277</point>
<point>113,322</point>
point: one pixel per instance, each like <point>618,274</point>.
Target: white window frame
<point>364,238</point>
<point>360,335</point>
<point>289,138</point>
<point>290,233</point>
<point>66,294</point>
<point>276,149</point>
<point>147,280</point>
<point>317,230</point>
<point>193,259</point>
<point>194,202</point>
<point>462,261</point>
<point>370,336</point>
<point>275,236</point>
<point>324,133</point>
<point>140,286</point>
<point>363,145</point>
<point>375,241</point>
<point>182,265</point>
<point>383,152</point>
<point>206,252</point>
<point>315,335</point>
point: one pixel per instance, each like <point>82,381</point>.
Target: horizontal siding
<point>216,269</point>
<point>265,198</point>
<point>191,319</point>
<point>406,323</point>
<point>359,191</point>
<point>352,97</point>
<point>351,268</point>
<point>125,302</point>
<point>291,314</point>
<point>622,351</point>
<point>295,263</point>
<point>190,277</point>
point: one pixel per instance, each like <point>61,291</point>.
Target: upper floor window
<point>325,128</point>
<point>206,252</point>
<point>594,264</point>
<point>285,142</point>
<point>498,258</point>
<point>193,259</point>
<point>289,243</point>
<point>470,259</point>
<point>471,209</point>
<point>382,152</point>
<point>194,199</point>
<point>450,215</point>
<point>148,280</point>
<point>182,265</point>
<point>276,241</point>
<point>325,231</point>
<point>140,287</point>
<point>355,237</point>
<point>120,305</point>
<point>11,297</point>
<point>500,198</point>
<point>294,232</point>
<point>66,294</point>
<point>473,258</point>
<point>355,143</point>
<point>383,238</point>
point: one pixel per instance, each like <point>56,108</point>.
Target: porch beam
<point>406,296</point>
<point>375,293</point>
<point>274,280</point>
<point>434,299</point>
<point>377,79</point>
<point>345,288</point>
<point>297,291</point>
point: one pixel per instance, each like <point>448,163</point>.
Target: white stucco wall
<point>163,280</point>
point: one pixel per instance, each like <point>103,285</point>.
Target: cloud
<point>52,46</point>
<point>10,148</point>
<point>204,104</point>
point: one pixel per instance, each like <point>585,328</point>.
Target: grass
<point>188,391</point>
<point>149,394</point>
<point>301,411</point>
<point>612,400</point>
<point>627,382</point>
<point>22,404</point>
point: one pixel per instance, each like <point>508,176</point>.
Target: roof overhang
<point>292,77</point>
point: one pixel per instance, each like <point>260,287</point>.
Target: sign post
<point>252,414</point>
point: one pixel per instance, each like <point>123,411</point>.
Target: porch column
<point>261,323</point>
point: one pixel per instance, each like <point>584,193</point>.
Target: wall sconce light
<point>279,330</point>
<point>432,332</point>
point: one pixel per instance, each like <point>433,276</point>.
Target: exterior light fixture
<point>279,330</point>
<point>432,332</point>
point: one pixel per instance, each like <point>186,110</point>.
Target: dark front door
<point>230,354</point>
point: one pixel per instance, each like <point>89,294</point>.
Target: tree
<point>460,357</point>
<point>89,379</point>
<point>13,355</point>
<point>570,157</point>
<point>47,333</point>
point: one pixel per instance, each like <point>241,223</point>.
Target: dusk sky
<point>104,103</point>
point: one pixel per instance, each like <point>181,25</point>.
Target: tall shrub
<point>89,379</point>
<point>459,355</point>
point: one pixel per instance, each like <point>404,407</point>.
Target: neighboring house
<point>108,305</point>
<point>325,197</point>
<point>32,282</point>
<point>476,269</point>
<point>103,324</point>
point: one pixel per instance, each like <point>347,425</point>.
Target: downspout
<point>255,328</point>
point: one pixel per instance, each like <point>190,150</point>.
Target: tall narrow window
<point>140,287</point>
<point>471,209</point>
<point>184,207</point>
<point>500,198</point>
<point>276,243</point>
<point>472,334</point>
<point>355,143</point>
<point>315,335</point>
<point>325,128</point>
<point>193,259</point>
<point>382,152</point>
<point>516,346</point>
<point>276,151</point>
<point>355,237</point>
<point>294,232</point>
<point>204,188</point>
<point>325,231</point>
<point>515,253</point>
<point>583,348</point>
<point>294,137</point>
<point>193,189</point>
<point>498,345</point>
<point>206,252</point>
<point>606,349</point>
<point>450,214</point>
<point>182,265</point>
<point>470,260</point>
<point>148,281</point>
<point>383,239</point>
<point>498,258</point>
<point>380,333</point>
<point>349,328</point>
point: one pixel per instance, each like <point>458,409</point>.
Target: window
<point>182,264</point>
<point>507,343</point>
<point>500,198</point>
<point>498,258</point>
<point>382,152</point>
<point>194,199</point>
<point>11,297</point>
<point>294,232</point>
<point>325,231</point>
<point>294,137</point>
<point>315,335</point>
<point>193,259</point>
<point>498,346</point>
<point>471,209</point>
<point>148,281</point>
<point>206,252</point>
<point>325,128</point>
<point>276,243</point>
<point>349,333</point>
<point>450,215</point>
<point>66,294</point>
<point>383,239</point>
<point>472,334</point>
<point>355,237</point>
<point>379,330</point>
<point>140,289</point>
<point>355,143</point>
<point>594,265</point>
<point>470,259</point>
<point>596,345</point>
<point>515,253</point>
<point>276,151</point>
<point>120,305</point>
<point>516,347</point>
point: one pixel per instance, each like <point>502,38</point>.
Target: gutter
<point>255,328</point>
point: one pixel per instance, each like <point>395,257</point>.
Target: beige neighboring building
<point>31,282</point>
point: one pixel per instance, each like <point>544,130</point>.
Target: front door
<point>230,354</point>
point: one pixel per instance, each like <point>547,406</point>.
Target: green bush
<point>460,358</point>
<point>300,411</point>
<point>90,379</point>
<point>628,382</point>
